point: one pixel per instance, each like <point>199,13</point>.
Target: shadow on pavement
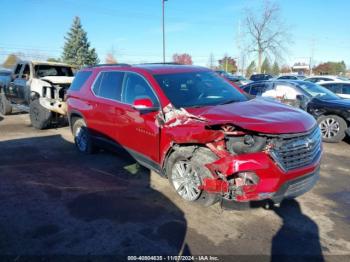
<point>1,118</point>
<point>298,238</point>
<point>56,201</point>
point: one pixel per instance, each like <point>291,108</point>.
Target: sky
<point>132,29</point>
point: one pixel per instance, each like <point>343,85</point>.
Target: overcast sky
<point>132,29</point>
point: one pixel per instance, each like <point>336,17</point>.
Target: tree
<point>183,59</point>
<point>330,68</point>
<point>110,59</point>
<point>228,64</point>
<point>10,61</point>
<point>265,32</point>
<point>285,69</point>
<point>52,59</point>
<point>251,69</point>
<point>77,49</point>
<point>275,69</point>
<point>266,67</point>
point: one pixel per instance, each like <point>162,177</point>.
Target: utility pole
<point>312,54</point>
<point>163,25</point>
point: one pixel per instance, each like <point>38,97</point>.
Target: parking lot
<point>54,200</point>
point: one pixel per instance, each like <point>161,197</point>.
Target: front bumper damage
<point>273,182</point>
<point>54,105</point>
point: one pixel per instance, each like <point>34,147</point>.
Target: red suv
<point>198,130</point>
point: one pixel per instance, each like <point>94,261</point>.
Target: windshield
<point>198,89</point>
<point>52,70</point>
<point>318,91</point>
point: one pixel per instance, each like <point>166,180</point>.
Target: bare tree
<point>110,59</point>
<point>266,34</point>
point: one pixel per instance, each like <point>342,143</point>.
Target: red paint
<point>142,132</point>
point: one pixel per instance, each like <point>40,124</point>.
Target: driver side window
<point>136,87</point>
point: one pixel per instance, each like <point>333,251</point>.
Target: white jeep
<point>38,88</point>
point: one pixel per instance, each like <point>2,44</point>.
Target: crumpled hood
<point>260,115</point>
<point>58,79</point>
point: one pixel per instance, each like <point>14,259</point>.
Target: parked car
<point>5,77</point>
<point>238,80</point>
<point>38,88</point>
<point>193,127</point>
<point>325,78</point>
<point>291,77</point>
<point>260,77</point>
<point>331,111</point>
<point>340,88</point>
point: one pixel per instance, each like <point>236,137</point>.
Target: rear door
<point>22,85</point>
<point>10,90</point>
<point>107,110</point>
<point>137,130</point>
<point>345,91</point>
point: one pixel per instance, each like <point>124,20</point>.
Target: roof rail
<point>99,65</point>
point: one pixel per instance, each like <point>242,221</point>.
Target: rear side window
<point>109,85</point>
<point>80,80</point>
<point>258,89</point>
<point>346,89</point>
<point>18,69</point>
<point>335,88</point>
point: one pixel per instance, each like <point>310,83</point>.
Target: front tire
<point>332,127</point>
<point>5,105</point>
<point>40,117</point>
<point>186,173</point>
<point>82,137</point>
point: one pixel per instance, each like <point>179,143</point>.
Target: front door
<point>137,130</point>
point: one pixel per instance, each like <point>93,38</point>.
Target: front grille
<point>296,152</point>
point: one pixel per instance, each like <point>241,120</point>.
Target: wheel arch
<point>74,115</point>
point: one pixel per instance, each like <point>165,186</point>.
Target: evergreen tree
<point>251,69</point>
<point>77,51</point>
<point>275,69</point>
<point>266,67</point>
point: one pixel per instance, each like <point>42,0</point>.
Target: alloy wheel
<point>329,127</point>
<point>186,180</point>
<point>81,139</point>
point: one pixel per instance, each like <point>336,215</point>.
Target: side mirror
<point>301,97</point>
<point>303,101</point>
<point>144,104</point>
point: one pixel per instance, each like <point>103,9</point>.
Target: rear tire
<point>193,173</point>
<point>5,105</point>
<point>82,137</point>
<point>332,127</point>
<point>40,117</point>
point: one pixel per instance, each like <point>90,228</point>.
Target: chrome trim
<point>297,152</point>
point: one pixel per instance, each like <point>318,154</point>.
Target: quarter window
<point>109,85</point>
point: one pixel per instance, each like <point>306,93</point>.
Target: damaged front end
<point>53,97</point>
<point>250,166</point>
<point>255,166</point>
